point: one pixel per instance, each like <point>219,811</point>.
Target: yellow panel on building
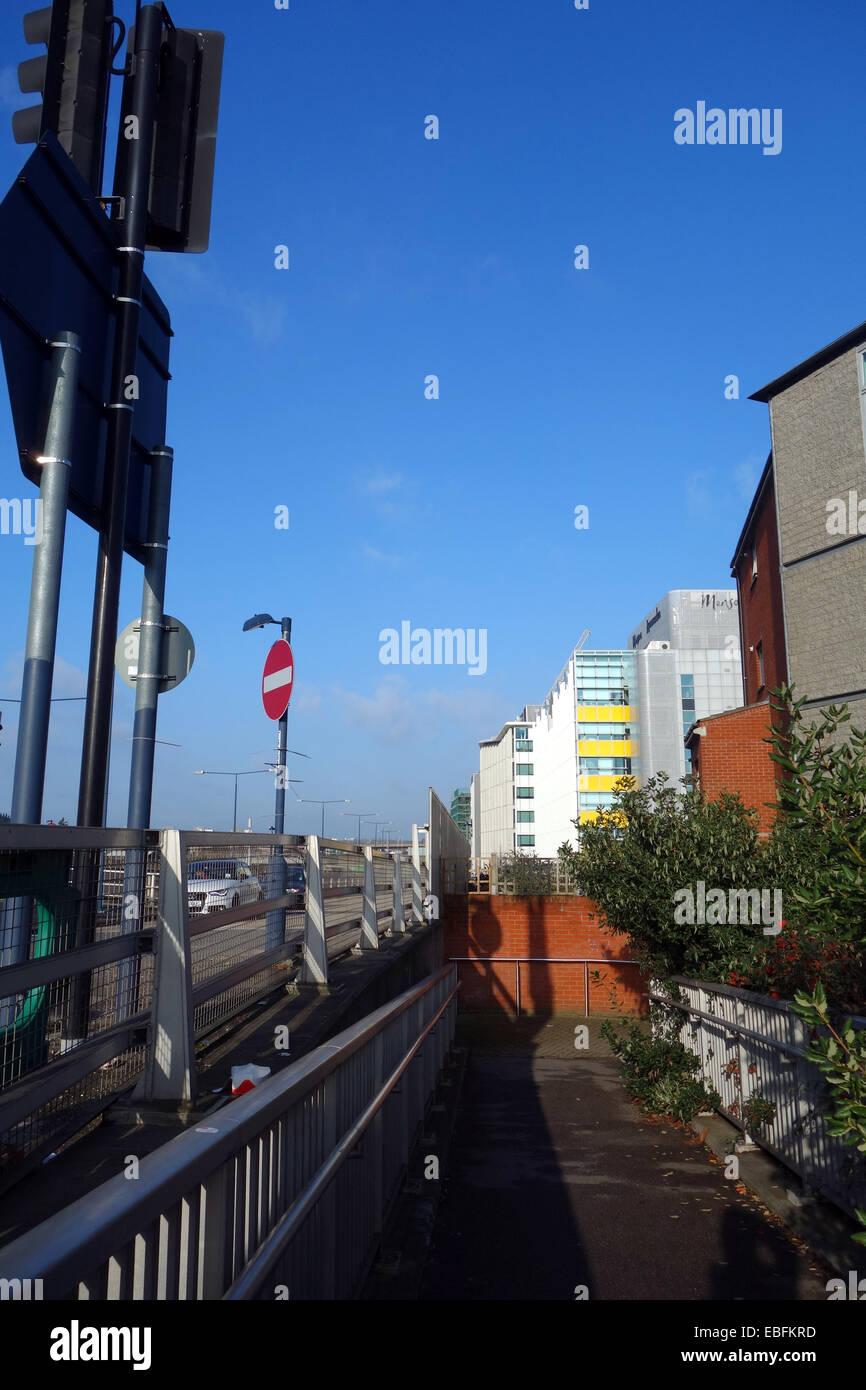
<point>605,714</point>
<point>604,747</point>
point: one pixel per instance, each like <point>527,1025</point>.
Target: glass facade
<point>605,685</point>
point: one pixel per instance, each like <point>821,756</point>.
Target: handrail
<point>251,1277</point>
<point>70,1245</point>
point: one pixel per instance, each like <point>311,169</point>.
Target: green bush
<point>659,1072</point>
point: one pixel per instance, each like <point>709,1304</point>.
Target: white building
<point>608,714</point>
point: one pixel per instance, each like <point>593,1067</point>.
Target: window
<point>521,733</point>
<point>524,793</point>
<point>524,769</point>
<point>523,745</point>
<point>524,816</point>
<point>759,657</point>
<point>526,841</point>
<point>754,562</point>
<point>863,370</point>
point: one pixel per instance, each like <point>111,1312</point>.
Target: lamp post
<point>364,815</point>
<point>315,801</point>
<point>207,772</point>
<point>376,825</point>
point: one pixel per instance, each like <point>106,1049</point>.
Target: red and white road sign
<point>277,680</point>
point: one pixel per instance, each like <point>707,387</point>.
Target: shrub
<point>659,1072</point>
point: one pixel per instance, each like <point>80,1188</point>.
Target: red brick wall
<point>731,756</point>
<point>488,927</point>
<point>761,603</point>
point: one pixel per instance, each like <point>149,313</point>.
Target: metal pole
<point>150,644</point>
<point>132,236</point>
<point>29,780</point>
<point>147,682</point>
<point>131,246</point>
<point>275,922</point>
<point>235,807</point>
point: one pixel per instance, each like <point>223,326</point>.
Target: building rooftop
<point>811,364</point>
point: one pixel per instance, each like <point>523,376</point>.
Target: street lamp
<point>206,772</point>
<point>364,815</point>
<point>315,801</point>
<point>376,826</point>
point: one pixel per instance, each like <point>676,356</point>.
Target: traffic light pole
<point>137,126</point>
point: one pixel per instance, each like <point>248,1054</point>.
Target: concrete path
<point>557,1184</point>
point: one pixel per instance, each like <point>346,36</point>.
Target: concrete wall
<point>554,756</point>
<point>700,618</point>
<point>447,841</point>
<point>497,795</point>
<point>819,455</point>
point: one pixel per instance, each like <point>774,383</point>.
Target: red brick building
<point>755,567</point>
<point>730,754</point>
<point>730,751</point>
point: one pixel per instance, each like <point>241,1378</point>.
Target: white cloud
<point>699,497</point>
<point>264,315</point>
<point>396,711</point>
<point>380,557</point>
<point>746,475</point>
<point>379,483</point>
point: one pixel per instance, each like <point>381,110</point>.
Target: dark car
<point>296,884</point>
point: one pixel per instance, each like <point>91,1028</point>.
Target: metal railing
<point>752,1047</point>
<point>285,1194</point>
<point>72,1031</point>
<point>120,950</point>
<point>517,961</point>
<point>521,875</point>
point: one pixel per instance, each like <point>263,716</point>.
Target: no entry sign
<point>279,674</point>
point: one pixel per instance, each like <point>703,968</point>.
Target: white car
<point>215,884</point>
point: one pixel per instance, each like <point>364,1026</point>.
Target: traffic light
<point>184,139</point>
<point>72,76</point>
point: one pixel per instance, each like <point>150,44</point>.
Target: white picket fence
<point>752,1046</point>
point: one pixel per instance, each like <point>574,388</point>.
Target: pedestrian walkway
<point>557,1187</point>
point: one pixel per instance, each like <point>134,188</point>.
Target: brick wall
<point>761,613</point>
<point>731,756</point>
<point>489,927</point>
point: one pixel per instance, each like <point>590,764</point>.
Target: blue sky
<point>558,387</point>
